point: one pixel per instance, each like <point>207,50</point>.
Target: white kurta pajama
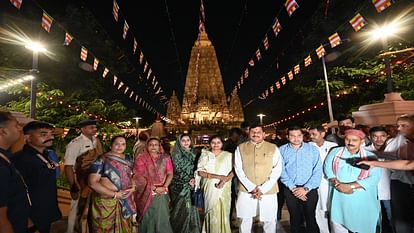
<point>247,207</point>
<point>323,191</point>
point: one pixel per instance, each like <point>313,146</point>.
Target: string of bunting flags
<point>320,105</point>
<point>147,70</point>
<point>48,21</point>
<point>291,6</point>
<point>357,23</point>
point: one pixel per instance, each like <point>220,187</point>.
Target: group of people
<point>328,186</point>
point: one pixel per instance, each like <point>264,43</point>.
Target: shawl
<point>335,166</point>
<point>149,173</point>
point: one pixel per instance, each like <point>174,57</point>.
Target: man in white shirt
<point>80,153</point>
<point>258,165</point>
<point>317,135</point>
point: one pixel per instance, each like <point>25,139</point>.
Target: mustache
<point>50,140</point>
<point>350,145</point>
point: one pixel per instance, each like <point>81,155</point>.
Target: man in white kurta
<point>258,165</point>
<point>317,135</point>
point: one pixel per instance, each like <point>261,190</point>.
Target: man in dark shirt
<point>14,202</point>
<point>39,171</point>
<point>231,143</point>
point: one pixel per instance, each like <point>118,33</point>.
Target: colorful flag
<point>251,62</point>
<point>290,75</point>
<point>145,66</point>
<point>84,53</point>
<point>105,72</point>
<point>308,60</point>
<point>358,22</point>
<point>320,51</point>
<point>278,85</point>
<point>335,40</point>
<point>47,21</point>
<point>283,80</point>
<point>246,73</point>
<point>381,5</point>
<point>16,3</point>
<point>141,57</point>
<point>258,55</point>
<point>276,27</point>
<point>68,39</point>
<point>297,69</point>
<point>136,98</point>
<point>120,85</point>
<point>272,89</point>
<point>266,43</point>
<point>242,80</point>
<point>149,73</point>
<point>126,27</point>
<point>238,84</point>
<point>126,90</point>
<point>95,63</point>
<point>135,46</point>
<point>115,9</point>
<point>291,6</point>
<point>115,79</point>
<point>131,94</point>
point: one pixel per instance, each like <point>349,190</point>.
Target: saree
<point>107,214</point>
<point>217,201</point>
<point>184,214</point>
<point>152,209</point>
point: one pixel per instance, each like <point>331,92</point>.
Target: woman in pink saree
<point>153,174</point>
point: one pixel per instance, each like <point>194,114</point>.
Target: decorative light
<point>35,47</point>
<point>12,83</point>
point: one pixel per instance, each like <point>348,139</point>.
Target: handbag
<point>197,198</point>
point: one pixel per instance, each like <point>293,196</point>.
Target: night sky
<point>166,31</point>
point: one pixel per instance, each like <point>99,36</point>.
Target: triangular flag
<point>308,60</point>
<point>381,5</point>
<point>126,27</point>
<point>16,3</point>
<point>283,80</point>
<point>84,53</point>
<point>105,72</point>
<point>291,6</point>
<point>95,63</point>
<point>141,57</point>
<point>320,51</point>
<point>258,55</point>
<point>115,9</point>
<point>246,73</point>
<point>276,27</point>
<point>358,22</point>
<point>297,69</point>
<point>145,66</point>
<point>135,46</point>
<point>126,90</point>
<point>290,75</point>
<point>120,85</point>
<point>335,40</point>
<point>115,79</point>
<point>278,85</point>
<point>47,21</point>
<point>130,95</point>
<point>136,98</point>
<point>68,39</point>
<point>266,43</point>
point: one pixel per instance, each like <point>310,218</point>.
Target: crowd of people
<point>350,181</point>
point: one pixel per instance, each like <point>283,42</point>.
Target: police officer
<point>80,153</point>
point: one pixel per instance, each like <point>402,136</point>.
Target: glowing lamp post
<point>261,115</point>
<point>36,48</point>
<point>383,33</point>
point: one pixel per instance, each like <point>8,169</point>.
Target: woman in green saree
<point>184,215</point>
<point>214,170</point>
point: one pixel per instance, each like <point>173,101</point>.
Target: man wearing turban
<point>354,201</point>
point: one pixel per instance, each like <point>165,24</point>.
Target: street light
<point>383,32</point>
<point>261,115</point>
<point>36,48</point>
<point>137,123</point>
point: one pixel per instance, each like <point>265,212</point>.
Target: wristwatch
<point>353,186</point>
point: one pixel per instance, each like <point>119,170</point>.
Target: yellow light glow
<point>35,46</point>
<point>384,31</point>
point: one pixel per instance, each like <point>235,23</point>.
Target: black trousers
<point>298,208</point>
<point>402,206</point>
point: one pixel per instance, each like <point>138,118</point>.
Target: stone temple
<point>204,102</point>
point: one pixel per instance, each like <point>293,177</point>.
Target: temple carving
<point>204,101</point>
